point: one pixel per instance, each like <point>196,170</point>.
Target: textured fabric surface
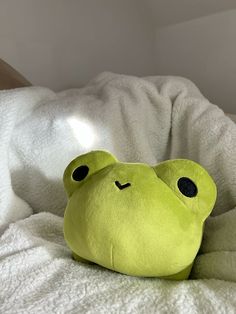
<point>37,275</point>
<point>138,120</point>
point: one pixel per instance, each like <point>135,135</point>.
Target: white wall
<point>64,43</point>
<point>203,50</point>
<point>167,12</point>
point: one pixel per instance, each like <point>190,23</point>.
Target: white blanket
<point>145,120</point>
<point>39,276</point>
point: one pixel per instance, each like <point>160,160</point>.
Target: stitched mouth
<point>122,186</point>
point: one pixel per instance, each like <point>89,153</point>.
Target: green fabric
<point>146,229</point>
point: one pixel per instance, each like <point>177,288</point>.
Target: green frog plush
<point>136,219</point>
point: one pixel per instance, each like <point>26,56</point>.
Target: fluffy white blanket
<point>140,120</point>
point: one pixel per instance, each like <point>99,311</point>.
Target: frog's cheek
<point>69,230</point>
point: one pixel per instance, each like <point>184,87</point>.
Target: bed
<point>156,118</point>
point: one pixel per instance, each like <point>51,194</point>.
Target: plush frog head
<point>137,219</point>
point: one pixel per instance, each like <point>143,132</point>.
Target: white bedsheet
<point>39,276</point>
<point>145,120</point>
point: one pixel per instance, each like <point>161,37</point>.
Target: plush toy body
<point>137,219</point>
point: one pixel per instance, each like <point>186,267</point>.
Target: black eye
<point>80,173</point>
<point>187,187</point>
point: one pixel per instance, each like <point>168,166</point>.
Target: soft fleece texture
<point>144,120</point>
<point>39,276</point>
